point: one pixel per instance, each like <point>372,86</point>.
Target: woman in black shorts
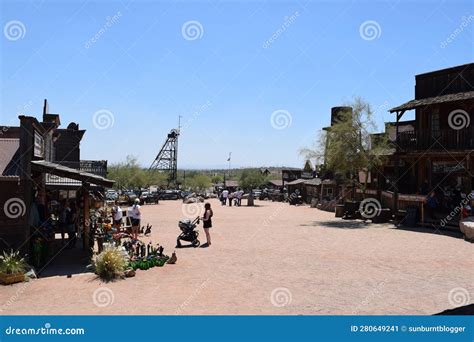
<point>136,218</point>
<point>207,223</point>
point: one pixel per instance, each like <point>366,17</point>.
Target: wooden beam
<point>86,223</point>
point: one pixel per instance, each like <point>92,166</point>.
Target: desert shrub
<point>12,263</point>
<point>111,262</point>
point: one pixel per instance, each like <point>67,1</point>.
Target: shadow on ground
<point>341,224</point>
<point>461,311</point>
<point>432,230</point>
<point>66,262</point>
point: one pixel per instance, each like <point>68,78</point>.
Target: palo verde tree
<point>348,147</point>
<point>251,179</point>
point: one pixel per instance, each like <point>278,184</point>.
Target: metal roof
<point>297,181</point>
<point>8,149</point>
<point>276,182</point>
<point>433,100</point>
<point>67,172</point>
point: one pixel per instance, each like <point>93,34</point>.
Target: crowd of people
<point>235,198</point>
<point>439,201</point>
<point>135,219</point>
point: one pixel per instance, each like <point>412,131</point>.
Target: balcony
<point>445,139</point>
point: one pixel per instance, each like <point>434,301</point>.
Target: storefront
<point>33,188</point>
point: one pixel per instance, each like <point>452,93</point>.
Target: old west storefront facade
<point>438,153</point>
<point>33,180</point>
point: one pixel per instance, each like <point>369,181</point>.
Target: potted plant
<point>12,268</point>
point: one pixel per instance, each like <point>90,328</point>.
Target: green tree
<point>199,182</point>
<point>217,179</point>
<point>348,147</point>
<point>127,174</point>
<point>251,179</point>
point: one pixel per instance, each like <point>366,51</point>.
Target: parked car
<point>257,193</point>
<point>184,194</point>
<point>111,195</point>
<point>130,196</point>
<point>170,195</point>
<point>149,197</point>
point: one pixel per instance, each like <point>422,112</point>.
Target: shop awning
<point>413,104</point>
<point>67,172</point>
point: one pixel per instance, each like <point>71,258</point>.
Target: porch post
<point>397,162</point>
<point>86,223</point>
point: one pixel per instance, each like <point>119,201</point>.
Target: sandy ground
<point>271,259</point>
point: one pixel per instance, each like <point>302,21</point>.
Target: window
<point>435,128</point>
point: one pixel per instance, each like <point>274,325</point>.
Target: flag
<point>228,159</point>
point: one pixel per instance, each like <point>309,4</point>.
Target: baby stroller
<point>188,233</point>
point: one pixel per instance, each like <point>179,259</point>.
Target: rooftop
<point>433,100</point>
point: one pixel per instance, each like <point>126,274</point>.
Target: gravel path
<point>271,259</point>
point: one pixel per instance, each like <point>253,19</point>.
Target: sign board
<point>447,167</point>
<point>38,145</point>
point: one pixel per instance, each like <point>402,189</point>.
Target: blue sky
<point>128,86</point>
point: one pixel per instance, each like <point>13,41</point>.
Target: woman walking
<point>207,223</point>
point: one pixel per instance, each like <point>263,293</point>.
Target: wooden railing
<point>443,139</point>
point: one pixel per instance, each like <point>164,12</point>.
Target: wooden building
<point>437,152</point>
<point>32,178</point>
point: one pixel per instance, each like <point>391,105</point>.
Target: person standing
<point>225,194</point>
<point>71,224</point>
<point>136,218</point>
<point>239,197</point>
<point>207,223</point>
<point>62,219</point>
<point>117,215</point>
